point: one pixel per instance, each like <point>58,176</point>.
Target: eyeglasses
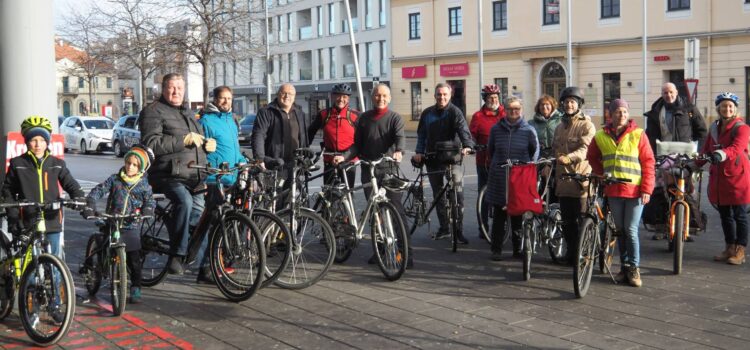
<point>514,109</point>
<point>290,94</point>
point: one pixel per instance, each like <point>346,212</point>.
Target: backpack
<point>327,116</point>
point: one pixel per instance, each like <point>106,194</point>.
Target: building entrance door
<point>459,94</point>
<point>677,77</point>
<point>553,79</point>
<point>317,104</point>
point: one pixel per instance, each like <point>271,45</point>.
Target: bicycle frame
<point>448,186</point>
<point>678,198</point>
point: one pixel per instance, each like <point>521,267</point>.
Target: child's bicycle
<point>105,258</point>
<point>46,295</point>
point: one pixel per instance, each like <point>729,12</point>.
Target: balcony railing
<point>349,70</point>
<point>305,33</point>
<point>305,74</point>
<point>70,90</point>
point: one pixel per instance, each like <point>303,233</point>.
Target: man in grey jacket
<point>169,128</point>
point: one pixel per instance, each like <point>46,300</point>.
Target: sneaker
<point>622,276</point>
<point>175,266</point>
<point>205,276</point>
<point>461,239</point>
<point>658,236</point>
<point>135,295</point>
<point>496,256</point>
<point>440,235</point>
<point>634,277</point>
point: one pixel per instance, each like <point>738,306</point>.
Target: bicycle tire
<point>608,243</point>
<point>484,225</point>
<point>154,250</point>
<point>92,278</point>
<point>585,256</point>
<point>453,218</point>
<point>389,241</point>
<point>345,234</point>
<point>7,297</point>
<point>309,263</point>
<point>678,237</point>
<point>527,244</point>
<point>556,245</point>
<point>236,242</point>
<point>276,242</point>
<point>118,280</point>
<point>45,271</point>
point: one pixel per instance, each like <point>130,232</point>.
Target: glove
<point>88,212</point>
<point>564,160</point>
<point>718,157</point>
<point>193,139</point>
<point>210,145</point>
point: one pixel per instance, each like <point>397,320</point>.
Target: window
<point>416,100</point>
<point>249,31</point>
<point>80,82</point>
<point>224,73</point>
<point>369,59</point>
<point>109,82</point>
<point>216,75</point>
<point>290,73</point>
<point>500,15</point>
<point>289,26</point>
<point>415,32</point>
<point>321,65</point>
<point>66,84</point>
<point>383,59</point>
<point>332,62</point>
<point>610,8</point>
<point>368,14</point>
<point>96,82</point>
<point>678,5</point>
<point>278,28</point>
<point>503,84</point>
<point>455,25</point>
<point>382,12</point>
<point>551,11</point>
<point>319,11</point>
<point>611,91</point>
<point>234,72</point>
<point>250,71</point>
<point>331,23</point>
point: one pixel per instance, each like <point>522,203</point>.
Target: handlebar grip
<point>273,163</point>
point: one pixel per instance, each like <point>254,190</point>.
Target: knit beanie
<point>141,155</point>
<point>36,131</point>
<point>617,103</point>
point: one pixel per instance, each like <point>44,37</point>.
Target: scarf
<point>130,180</point>
<point>665,134</point>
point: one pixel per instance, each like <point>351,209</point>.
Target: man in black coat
<point>280,128</point>
<point>671,118</point>
<point>169,128</point>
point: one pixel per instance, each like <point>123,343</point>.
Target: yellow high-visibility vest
<point>621,160</point>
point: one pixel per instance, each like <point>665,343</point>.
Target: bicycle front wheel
<point>92,273</point>
<point>46,300</point>
<point>389,241</point>
<point>154,250</point>
<point>118,279</point>
<point>556,245</point>
<point>277,242</point>
<point>584,264</point>
<point>484,213</point>
<point>237,257</point>
<point>313,250</point>
<point>453,222</point>
<point>608,243</point>
<point>678,235</point>
<point>7,294</point>
<point>527,247</point>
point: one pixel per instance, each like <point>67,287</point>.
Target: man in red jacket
<point>480,125</point>
<point>338,124</point>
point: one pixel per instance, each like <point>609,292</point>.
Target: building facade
<point>310,48</point>
<point>525,51</point>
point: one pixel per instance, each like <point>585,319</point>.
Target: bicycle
<point>415,203</point>
<point>543,229</point>
<point>313,245</point>
<point>46,294</point>
<point>105,259</point>
<point>236,252</point>
<point>389,242</point>
<point>589,223</point>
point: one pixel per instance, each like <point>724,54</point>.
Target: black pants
<point>133,259</point>
<point>395,197</point>
<point>734,222</point>
<point>351,174</point>
<point>436,182</point>
<point>570,210</point>
<point>499,233</point>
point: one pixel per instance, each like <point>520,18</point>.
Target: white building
<point>310,48</point>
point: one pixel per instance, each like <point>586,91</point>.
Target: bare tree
<point>83,32</point>
<point>134,28</point>
<point>213,29</point>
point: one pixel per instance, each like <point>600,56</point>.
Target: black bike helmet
<point>572,91</point>
<point>342,89</point>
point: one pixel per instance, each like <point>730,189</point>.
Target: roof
<point>63,49</point>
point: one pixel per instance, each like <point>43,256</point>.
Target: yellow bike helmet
<point>35,121</point>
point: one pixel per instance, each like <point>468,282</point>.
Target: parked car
<point>246,129</point>
<point>87,133</point>
<point>125,135</point>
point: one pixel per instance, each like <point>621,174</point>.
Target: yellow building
<point>525,46</point>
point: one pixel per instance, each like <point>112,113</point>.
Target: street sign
<point>692,89</point>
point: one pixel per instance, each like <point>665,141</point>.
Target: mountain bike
<point>389,241</point>
<point>105,259</point>
<point>589,223</point>
<point>46,294</point>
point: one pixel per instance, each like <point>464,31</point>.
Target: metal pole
<point>645,61</point>
<point>481,47</point>
<point>354,54</point>
<point>570,45</point>
<point>268,56</point>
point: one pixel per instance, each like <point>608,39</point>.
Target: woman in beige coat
<point>570,145</point>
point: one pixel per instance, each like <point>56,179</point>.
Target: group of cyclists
<point>173,142</point>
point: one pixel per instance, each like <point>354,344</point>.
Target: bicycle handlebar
<point>606,178</point>
<point>118,216</point>
<point>515,162</point>
<point>50,205</point>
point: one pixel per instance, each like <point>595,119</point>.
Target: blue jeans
<point>186,210</point>
<point>627,215</point>
<point>55,244</point>
<point>734,223</point>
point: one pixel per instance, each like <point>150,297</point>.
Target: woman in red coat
<point>729,176</point>
<point>481,123</point>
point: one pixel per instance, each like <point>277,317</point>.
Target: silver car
<point>87,134</point>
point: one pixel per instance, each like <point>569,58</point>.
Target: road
<point>448,301</point>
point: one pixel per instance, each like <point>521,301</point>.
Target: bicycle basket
<point>395,183</point>
<point>448,152</point>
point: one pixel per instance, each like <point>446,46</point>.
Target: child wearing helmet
<point>34,176</point>
<point>128,192</point>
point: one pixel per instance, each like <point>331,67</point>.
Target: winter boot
<point>738,256</point>
<point>634,276</point>
<point>725,254</point>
